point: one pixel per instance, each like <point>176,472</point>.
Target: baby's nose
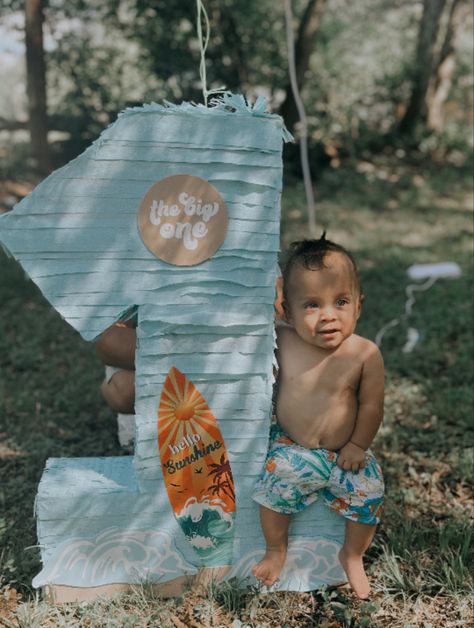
<point>327,313</point>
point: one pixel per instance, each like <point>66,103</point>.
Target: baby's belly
<point>330,428</point>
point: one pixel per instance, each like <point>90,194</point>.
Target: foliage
<point>120,54</point>
<point>104,56</point>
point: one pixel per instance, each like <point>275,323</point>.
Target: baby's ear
<point>359,308</point>
<point>286,312</point>
<point>279,311</point>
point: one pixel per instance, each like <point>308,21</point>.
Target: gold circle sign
<point>182,219</point>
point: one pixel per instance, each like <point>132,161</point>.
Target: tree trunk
<point>441,84</point>
<point>424,65</point>
<point>304,46</point>
<point>36,84</point>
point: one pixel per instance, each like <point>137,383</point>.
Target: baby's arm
<point>369,414</point>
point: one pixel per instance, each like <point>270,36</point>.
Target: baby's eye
<point>341,302</point>
<point>311,305</point>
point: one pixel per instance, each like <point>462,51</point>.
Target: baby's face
<point>323,305</point>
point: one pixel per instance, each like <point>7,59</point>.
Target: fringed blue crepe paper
<point>108,520</point>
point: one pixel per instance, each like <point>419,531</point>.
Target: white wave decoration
<point>310,563</point>
<point>115,556</point>
<point>196,509</point>
<point>201,542</point>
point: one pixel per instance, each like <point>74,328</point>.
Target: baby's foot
<point>269,568</point>
<point>355,572</point>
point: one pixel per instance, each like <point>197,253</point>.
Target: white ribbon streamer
<point>303,120</point>
<point>413,334</point>
<point>203,43</point>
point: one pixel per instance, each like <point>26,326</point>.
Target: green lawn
<point>391,215</point>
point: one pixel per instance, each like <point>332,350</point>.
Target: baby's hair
<point>310,254</point>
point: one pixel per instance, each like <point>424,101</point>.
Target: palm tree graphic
<point>224,482</point>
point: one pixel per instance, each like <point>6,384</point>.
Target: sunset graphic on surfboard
<point>196,470</point>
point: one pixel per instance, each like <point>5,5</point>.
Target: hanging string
<point>203,43</point>
<point>303,120</point>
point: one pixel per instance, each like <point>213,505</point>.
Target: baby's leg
<point>275,527</point>
<point>119,391</point>
<point>357,541</point>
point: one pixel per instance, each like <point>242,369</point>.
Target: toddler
<point>329,406</point>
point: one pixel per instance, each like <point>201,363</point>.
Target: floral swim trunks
<point>294,476</point>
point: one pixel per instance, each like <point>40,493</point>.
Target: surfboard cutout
<point>196,470</point>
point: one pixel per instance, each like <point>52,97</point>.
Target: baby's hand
<point>351,457</point>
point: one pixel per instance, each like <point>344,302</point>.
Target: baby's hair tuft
<point>310,254</point>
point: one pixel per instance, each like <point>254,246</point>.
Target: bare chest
<point>328,374</point>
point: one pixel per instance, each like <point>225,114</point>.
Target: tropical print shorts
<point>293,477</point>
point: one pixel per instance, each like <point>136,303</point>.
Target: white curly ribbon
<point>203,43</point>
<point>290,43</point>
<point>413,334</point>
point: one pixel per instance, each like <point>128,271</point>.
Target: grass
<point>391,214</point>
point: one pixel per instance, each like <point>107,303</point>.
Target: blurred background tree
<point>434,64</point>
<point>36,83</point>
<point>374,75</point>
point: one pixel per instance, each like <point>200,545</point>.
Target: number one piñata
<point>173,213</point>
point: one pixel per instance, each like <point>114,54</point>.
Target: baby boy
<point>329,406</point>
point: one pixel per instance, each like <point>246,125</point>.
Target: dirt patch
<point>9,602</point>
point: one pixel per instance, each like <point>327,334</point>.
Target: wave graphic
<point>195,510</point>
<point>209,529</point>
<point>115,555</point>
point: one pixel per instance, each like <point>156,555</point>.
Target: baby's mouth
<point>328,332</point>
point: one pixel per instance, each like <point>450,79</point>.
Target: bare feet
<point>269,568</point>
<point>355,572</point>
